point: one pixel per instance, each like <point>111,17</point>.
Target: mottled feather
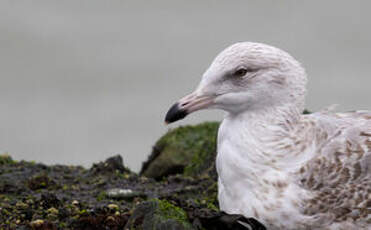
<point>339,175</point>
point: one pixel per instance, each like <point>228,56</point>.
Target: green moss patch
<point>187,149</point>
<point>166,210</point>
<point>158,215</point>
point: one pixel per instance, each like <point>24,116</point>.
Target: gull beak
<point>187,105</point>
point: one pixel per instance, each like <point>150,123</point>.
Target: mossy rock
<point>158,215</point>
<point>188,150</point>
<point>6,159</point>
<point>40,181</point>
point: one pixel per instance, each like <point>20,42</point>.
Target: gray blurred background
<point>83,80</point>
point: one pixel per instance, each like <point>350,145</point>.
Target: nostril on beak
<point>184,104</point>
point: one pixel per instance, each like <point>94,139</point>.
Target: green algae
<point>101,196</point>
<point>166,210</point>
<point>157,214</point>
<point>203,149</point>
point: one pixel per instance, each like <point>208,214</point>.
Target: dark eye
<point>242,71</point>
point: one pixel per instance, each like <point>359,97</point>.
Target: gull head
<point>246,77</point>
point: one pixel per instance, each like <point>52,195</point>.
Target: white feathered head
<point>246,77</point>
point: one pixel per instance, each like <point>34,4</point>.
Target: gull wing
<point>339,177</point>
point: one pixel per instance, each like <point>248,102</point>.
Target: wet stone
<point>123,194</point>
<point>49,200</point>
<point>111,165</point>
<point>40,181</point>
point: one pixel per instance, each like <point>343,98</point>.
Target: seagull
<point>275,164</point>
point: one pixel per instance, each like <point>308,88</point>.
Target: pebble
<point>53,210</point>
<point>37,223</point>
<point>21,205</point>
<point>119,193</point>
<point>113,206</point>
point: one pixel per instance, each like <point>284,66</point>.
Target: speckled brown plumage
<point>339,176</point>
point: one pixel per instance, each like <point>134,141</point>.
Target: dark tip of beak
<point>175,114</point>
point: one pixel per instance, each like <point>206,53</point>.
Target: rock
<point>188,150</point>
<point>158,215</point>
<point>52,213</point>
<point>8,186</point>
<point>6,159</point>
<point>40,181</point>
<point>21,205</point>
<point>75,203</point>
<point>111,165</point>
<point>49,200</point>
<point>37,223</point>
<point>123,194</point>
<point>113,207</point>
<point>53,210</point>
<point>98,222</point>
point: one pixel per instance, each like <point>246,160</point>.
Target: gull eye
<point>242,71</point>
